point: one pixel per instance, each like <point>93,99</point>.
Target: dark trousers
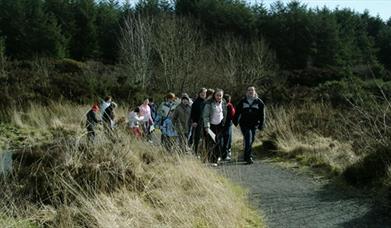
<point>91,133</point>
<point>196,137</point>
<point>215,148</point>
<point>249,137</point>
<point>227,137</point>
<point>146,126</point>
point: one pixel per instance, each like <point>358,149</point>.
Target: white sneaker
<point>214,164</point>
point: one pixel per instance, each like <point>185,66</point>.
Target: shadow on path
<point>291,199</point>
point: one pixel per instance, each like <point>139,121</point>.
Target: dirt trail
<point>291,199</point>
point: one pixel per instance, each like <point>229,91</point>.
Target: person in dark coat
<point>250,116</point>
<point>181,117</point>
<point>154,108</point>
<point>92,121</point>
<point>196,120</point>
<point>109,117</point>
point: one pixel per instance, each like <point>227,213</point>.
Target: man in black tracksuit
<point>250,115</point>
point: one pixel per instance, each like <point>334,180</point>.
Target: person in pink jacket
<point>145,111</point>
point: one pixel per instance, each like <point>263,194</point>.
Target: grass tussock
<point>68,182</point>
<point>351,143</point>
<point>300,133</point>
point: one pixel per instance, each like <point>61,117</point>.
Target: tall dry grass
<point>353,143</point>
<point>312,134</point>
<point>371,130</point>
<point>68,182</point>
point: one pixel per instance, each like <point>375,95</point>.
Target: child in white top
<point>135,119</point>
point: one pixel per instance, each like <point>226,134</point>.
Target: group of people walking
<point>186,124</point>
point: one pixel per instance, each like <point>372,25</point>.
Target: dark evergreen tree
<point>29,31</point>
<point>83,43</point>
<point>326,40</point>
<point>289,29</point>
<point>355,46</point>
<point>107,23</point>
<point>153,7</point>
<point>384,43</point>
<point>62,11</point>
<point>220,17</point>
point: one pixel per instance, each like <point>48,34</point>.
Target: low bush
<point>373,169</point>
<point>46,80</point>
<point>311,134</point>
<point>312,77</point>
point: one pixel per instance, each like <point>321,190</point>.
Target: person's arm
<point>194,113</point>
<point>159,116</point>
<point>232,111</point>
<point>237,113</point>
<point>261,115</point>
<point>112,115</point>
<point>175,115</point>
<point>148,112</point>
<point>206,115</point>
<point>189,122</point>
<point>225,112</point>
<point>141,118</point>
<point>193,120</point>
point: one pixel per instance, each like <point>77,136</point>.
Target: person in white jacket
<point>135,120</point>
<point>105,104</point>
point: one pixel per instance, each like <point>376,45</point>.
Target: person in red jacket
<point>92,121</point>
<point>227,134</point>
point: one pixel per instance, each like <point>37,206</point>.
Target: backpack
<point>164,110</point>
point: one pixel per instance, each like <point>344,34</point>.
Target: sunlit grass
<point>64,181</point>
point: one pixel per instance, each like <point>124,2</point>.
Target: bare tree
<point>178,46</point>
<point>169,51</point>
<point>136,48</point>
<point>243,63</point>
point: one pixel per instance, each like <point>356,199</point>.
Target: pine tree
<point>29,30</point>
<point>108,22</point>
<point>326,39</point>
<point>83,44</point>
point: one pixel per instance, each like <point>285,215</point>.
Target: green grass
<point>15,137</point>
<point>248,213</point>
<point>9,222</point>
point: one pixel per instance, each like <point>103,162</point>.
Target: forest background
<point>324,74</point>
<point>78,50</point>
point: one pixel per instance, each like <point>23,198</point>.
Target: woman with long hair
<point>214,116</point>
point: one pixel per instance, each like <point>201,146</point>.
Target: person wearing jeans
<point>250,116</point>
<point>214,116</point>
<point>227,135</point>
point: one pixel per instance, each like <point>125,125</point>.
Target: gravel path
<point>288,198</point>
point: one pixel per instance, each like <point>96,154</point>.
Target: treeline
<point>301,37</point>
<point>54,49</point>
<point>82,29</point>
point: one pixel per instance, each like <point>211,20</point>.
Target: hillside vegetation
<point>59,180</point>
<point>324,75</point>
<point>353,144</point>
